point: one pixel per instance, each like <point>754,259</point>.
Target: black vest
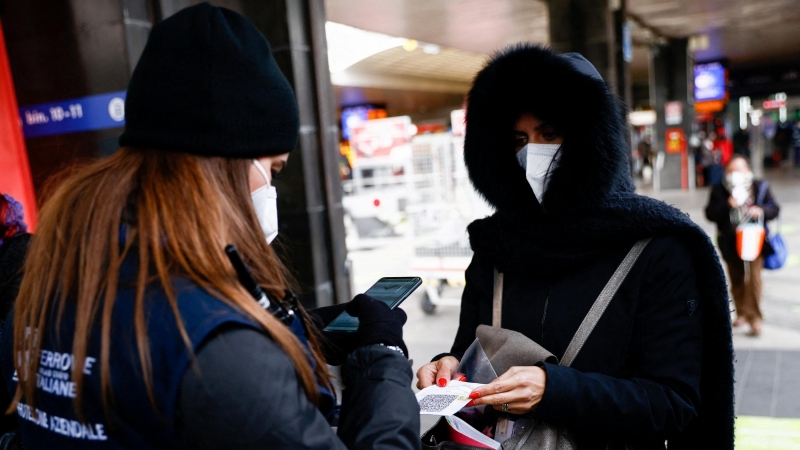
<point>133,422</point>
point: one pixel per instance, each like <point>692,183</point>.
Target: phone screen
<point>390,290</point>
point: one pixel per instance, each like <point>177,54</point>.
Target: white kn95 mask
<point>537,159</point>
<point>265,202</point>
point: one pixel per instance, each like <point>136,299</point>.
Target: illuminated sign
<point>378,138</point>
<point>709,82</point>
<point>95,112</point>
<point>352,116</point>
<point>774,104</point>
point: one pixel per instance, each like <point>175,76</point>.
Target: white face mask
<point>739,184</point>
<point>537,159</point>
<point>265,202</point>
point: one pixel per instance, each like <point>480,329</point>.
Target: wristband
<point>395,348</point>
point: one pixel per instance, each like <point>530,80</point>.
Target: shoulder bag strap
<point>497,300</point>
<point>599,306</point>
<point>762,192</point>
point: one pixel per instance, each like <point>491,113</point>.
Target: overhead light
<point>698,42</point>
<point>755,117</point>
<point>744,109</point>
<point>431,49</point>
<point>410,45</point>
<point>348,45</point>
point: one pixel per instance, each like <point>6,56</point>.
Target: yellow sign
<point>767,433</point>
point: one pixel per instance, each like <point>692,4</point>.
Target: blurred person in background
<point>796,142</point>
<point>144,334</point>
<point>724,146</point>
<point>658,365</point>
<point>14,241</point>
<point>712,160</point>
<point>741,143</point>
<point>739,195</point>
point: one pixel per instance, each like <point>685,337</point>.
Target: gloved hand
<point>335,345</point>
<point>378,324</point>
<point>325,315</point>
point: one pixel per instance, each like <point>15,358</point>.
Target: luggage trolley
<point>442,205</point>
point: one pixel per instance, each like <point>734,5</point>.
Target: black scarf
<point>589,205</point>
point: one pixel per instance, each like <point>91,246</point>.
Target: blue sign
<point>353,116</point>
<point>95,112</point>
<point>709,82</point>
<point>627,43</point>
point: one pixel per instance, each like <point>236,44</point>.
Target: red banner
<point>15,172</point>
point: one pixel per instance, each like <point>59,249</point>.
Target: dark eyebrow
<point>544,125</point>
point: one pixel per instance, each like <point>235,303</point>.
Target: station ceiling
<point>744,31</point>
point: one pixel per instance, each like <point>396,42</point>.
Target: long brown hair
<point>180,211</point>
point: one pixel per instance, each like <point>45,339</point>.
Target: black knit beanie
<point>207,84</point>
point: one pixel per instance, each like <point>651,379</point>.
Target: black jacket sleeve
<point>718,210</point>
<point>474,290</point>
<point>661,397</point>
<point>379,410</point>
<point>243,393</point>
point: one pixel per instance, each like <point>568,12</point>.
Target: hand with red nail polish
<point>462,378</point>
<point>521,388</point>
<point>437,372</point>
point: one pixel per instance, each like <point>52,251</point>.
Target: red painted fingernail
<point>475,395</point>
<point>462,378</point>
<point>442,382</point>
<point>471,403</point>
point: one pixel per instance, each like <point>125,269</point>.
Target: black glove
<point>325,315</point>
<point>335,345</point>
<point>378,324</point>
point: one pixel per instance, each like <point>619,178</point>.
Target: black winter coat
<point>719,211</point>
<point>659,365</point>
<point>637,379</point>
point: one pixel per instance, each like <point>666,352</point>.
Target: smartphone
<point>389,290</point>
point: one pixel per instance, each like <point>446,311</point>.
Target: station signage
<point>378,138</point>
<point>673,113</point>
<point>95,112</point>
<point>774,104</point>
<point>710,82</point>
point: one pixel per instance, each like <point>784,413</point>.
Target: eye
<point>521,140</point>
<point>549,136</point>
<point>276,175</point>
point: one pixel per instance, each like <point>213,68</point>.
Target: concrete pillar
<point>670,81</point>
<point>310,209</point>
<point>593,28</point>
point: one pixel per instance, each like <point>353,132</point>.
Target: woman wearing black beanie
<point>144,335</point>
<point>545,145</point>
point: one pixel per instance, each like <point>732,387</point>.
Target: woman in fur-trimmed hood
<point>545,145</point>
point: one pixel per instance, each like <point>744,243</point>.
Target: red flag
<point>15,172</point>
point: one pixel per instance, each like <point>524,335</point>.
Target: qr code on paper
<point>436,402</point>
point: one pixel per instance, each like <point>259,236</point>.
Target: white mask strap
<point>261,169</point>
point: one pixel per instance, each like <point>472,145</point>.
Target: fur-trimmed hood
<point>593,161</point>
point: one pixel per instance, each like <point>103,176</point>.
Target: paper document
<point>462,433</point>
<point>445,401</point>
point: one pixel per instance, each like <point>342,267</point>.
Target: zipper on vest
<point>544,314</point>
